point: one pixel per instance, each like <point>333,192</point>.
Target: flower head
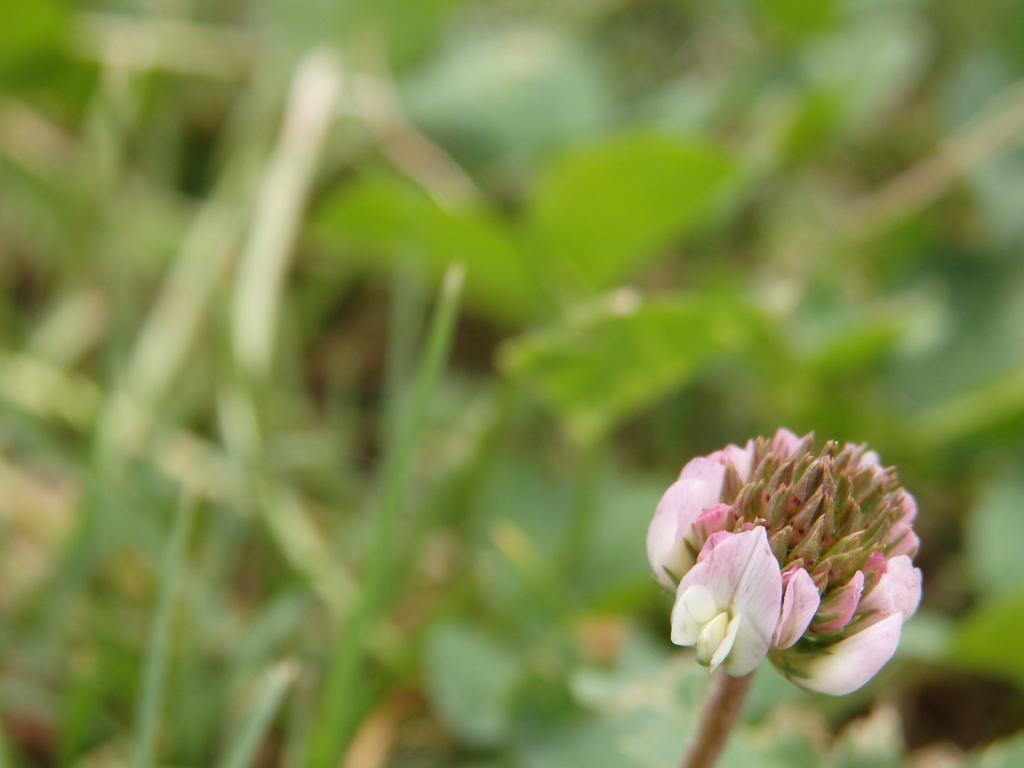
<point>775,549</point>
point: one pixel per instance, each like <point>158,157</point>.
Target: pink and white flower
<point>774,550</point>
<point>727,605</point>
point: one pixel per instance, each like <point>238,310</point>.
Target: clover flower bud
<point>776,550</point>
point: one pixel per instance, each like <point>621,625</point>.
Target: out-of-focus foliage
<point>252,511</point>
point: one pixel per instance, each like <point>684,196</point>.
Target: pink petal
<point>712,473</point>
<point>742,459</point>
<point>844,602</point>
<point>850,663</point>
<point>897,592</point>
<point>870,459</point>
<point>712,520</point>
<point>799,605</point>
<point>784,442</point>
<point>875,561</point>
<point>909,508</point>
<point>907,541</point>
<point>679,507</point>
<point>908,596</point>
<point>743,576</point>
<point>713,541</point>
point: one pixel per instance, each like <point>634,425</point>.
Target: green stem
<point>244,749</point>
<point>343,694</point>
<point>151,697</point>
<point>721,711</point>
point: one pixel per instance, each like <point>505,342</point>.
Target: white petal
<point>850,663</point>
<point>694,608</point>
<point>727,643</point>
<point>710,638</point>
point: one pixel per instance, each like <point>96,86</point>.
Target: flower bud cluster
<point>777,549</point>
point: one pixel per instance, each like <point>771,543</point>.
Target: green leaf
<point>988,639</point>
<point>470,681</point>
<point>622,357</point>
<point>610,207</point>
<point>381,216</point>
<point>30,28</point>
<point>410,27</point>
<point>510,90</point>
<point>993,534</point>
<point>794,19</point>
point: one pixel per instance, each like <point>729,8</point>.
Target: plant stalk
<point>721,711</point>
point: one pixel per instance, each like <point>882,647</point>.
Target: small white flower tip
<point>711,637</point>
<point>694,608</point>
<point>727,643</point>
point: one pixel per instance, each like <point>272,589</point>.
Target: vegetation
<point>347,347</point>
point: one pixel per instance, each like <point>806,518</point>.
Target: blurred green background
<point>275,492</point>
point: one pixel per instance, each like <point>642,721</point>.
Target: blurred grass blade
<point>254,729</point>
<point>408,313</point>
<point>339,710</point>
<point>282,198</point>
<point>151,697</point>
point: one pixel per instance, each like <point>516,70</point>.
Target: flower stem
<point>721,711</point>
